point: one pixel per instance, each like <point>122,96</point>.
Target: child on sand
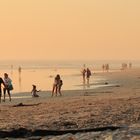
<point>34,91</point>
<point>59,87</point>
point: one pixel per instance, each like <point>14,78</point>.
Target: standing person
<point>55,85</point>
<point>19,70</point>
<point>107,67</point>
<point>34,91</point>
<point>103,67</point>
<point>59,87</point>
<point>8,86</point>
<point>130,65</point>
<point>19,78</point>
<point>1,82</point>
<point>84,75</point>
<point>88,75</point>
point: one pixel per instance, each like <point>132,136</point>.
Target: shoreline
<point>117,105</point>
<point>114,80</point>
<point>103,82</point>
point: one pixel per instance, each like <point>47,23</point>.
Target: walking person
<point>8,86</point>
<point>88,75</point>
<point>84,75</point>
<point>1,83</point>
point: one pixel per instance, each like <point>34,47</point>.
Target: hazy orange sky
<point>70,29</point>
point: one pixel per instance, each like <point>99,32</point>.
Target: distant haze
<point>69,29</point>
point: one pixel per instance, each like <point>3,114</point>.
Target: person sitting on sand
<point>34,91</point>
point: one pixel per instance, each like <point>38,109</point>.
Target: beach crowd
<point>6,85</point>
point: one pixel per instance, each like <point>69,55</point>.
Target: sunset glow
<point>74,29</point>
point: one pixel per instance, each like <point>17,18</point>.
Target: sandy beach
<point>90,50</point>
<point>115,104</point>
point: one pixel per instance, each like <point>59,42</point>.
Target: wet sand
<point>116,104</point>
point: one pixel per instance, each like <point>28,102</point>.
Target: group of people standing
<point>56,90</point>
<point>126,66</point>
<point>105,67</point>
<point>86,75</point>
<point>7,86</point>
<point>56,87</point>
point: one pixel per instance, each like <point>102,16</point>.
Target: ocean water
<point>42,73</point>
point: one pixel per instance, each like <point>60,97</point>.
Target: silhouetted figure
<point>34,91</point>
<point>8,86</point>
<point>1,83</point>
<point>19,70</point>
<point>84,75</point>
<point>57,85</point>
<point>103,67</point>
<point>19,79</point>
<point>124,66</point>
<point>88,75</point>
<point>130,65</point>
<point>107,67</point>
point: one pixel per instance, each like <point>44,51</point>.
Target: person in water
<point>88,75</point>
<point>84,75</point>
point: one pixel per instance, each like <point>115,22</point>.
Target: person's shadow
<point>19,79</point>
<point>88,84</point>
